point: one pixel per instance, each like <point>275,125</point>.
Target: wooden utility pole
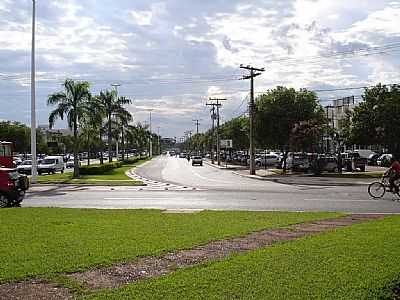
<point>217,105</point>
<point>197,122</point>
<point>254,72</point>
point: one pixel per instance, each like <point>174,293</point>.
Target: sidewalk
<point>292,178</point>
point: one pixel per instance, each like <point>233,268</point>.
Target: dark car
<point>12,187</point>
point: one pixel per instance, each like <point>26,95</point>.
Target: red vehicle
<point>6,155</point>
<point>12,184</point>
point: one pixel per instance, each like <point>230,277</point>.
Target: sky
<point>172,56</point>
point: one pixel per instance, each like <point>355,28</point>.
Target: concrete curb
<point>221,167</point>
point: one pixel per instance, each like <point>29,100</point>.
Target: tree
<point>112,105</point>
<point>375,121</point>
<point>72,103</point>
<point>278,111</point>
<point>92,123</point>
<point>236,130</point>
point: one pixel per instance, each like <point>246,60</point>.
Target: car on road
<point>12,187</point>
<point>197,160</point>
<point>51,165</point>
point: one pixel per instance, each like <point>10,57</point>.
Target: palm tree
<point>92,123</point>
<point>72,103</point>
<point>112,105</point>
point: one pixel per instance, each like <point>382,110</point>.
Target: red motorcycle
<point>12,187</point>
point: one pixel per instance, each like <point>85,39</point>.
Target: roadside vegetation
<point>42,242</point>
<point>357,262</point>
<point>110,174</point>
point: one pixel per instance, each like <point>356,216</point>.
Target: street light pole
<point>33,97</point>
<point>151,138</point>
<point>116,85</point>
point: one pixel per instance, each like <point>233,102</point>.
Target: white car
<point>26,166</point>
<point>51,164</point>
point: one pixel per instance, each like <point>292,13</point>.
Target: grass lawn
<point>358,262</point>
<point>46,241</point>
<point>114,177</point>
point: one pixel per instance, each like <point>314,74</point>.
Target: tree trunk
<point>76,150</point>
<point>284,161</point>
<point>109,138</point>
<point>88,157</point>
<point>101,149</point>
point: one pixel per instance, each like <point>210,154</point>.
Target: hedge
<point>106,167</point>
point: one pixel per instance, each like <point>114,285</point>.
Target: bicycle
<point>378,189</point>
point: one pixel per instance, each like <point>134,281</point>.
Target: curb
<point>220,167</point>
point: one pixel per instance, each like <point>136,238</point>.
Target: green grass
<point>359,262</point>
<point>45,241</point>
<point>114,177</point>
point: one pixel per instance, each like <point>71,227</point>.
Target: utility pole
<point>33,97</point>
<point>213,117</point>
<point>254,72</point>
<point>197,122</point>
<point>217,105</point>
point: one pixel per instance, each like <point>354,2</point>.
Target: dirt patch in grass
<point>33,290</point>
<point>149,267</point>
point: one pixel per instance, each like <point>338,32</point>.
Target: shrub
<point>133,160</point>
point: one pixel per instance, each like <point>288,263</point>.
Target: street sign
<point>227,144</point>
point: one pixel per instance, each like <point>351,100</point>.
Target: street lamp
<point>33,97</point>
<point>116,85</point>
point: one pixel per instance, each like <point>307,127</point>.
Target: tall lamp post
<point>116,85</point>
<point>33,97</point>
<point>151,136</point>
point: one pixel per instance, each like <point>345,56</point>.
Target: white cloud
<point>141,18</point>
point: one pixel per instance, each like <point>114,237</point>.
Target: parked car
<point>384,160</point>
<point>51,165</point>
<point>373,159</point>
<point>12,187</point>
<point>25,167</point>
<point>353,161</point>
<point>297,162</point>
<point>70,163</point>
<point>266,160</point>
<point>328,163</point>
<point>197,160</point>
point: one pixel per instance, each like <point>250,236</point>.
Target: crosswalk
<point>153,185</point>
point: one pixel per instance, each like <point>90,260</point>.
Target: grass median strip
<point>41,242</point>
<point>113,177</point>
<point>357,262</point>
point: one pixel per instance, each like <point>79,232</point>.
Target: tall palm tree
<point>112,105</point>
<point>72,104</point>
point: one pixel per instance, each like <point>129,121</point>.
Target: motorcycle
<point>13,187</point>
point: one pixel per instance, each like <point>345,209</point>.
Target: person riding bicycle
<point>394,174</point>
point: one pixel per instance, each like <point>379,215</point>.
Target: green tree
<point>279,110</point>
<point>236,130</point>
<point>375,121</point>
<point>92,123</point>
<point>72,104</point>
<point>112,105</point>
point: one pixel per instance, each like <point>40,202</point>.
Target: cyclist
<point>394,173</point>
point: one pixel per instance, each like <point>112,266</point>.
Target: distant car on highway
<point>197,160</point>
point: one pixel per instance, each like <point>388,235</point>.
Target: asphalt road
<point>172,183</point>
